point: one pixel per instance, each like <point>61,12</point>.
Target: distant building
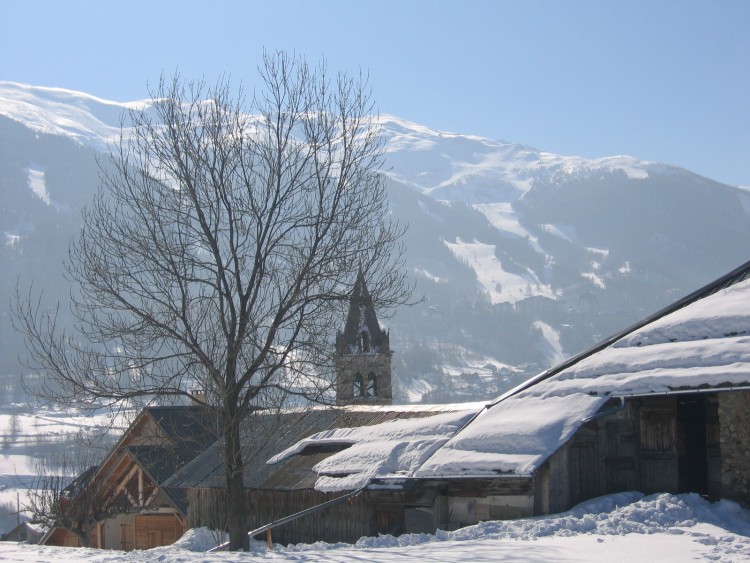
<point>363,355</point>
<point>24,533</point>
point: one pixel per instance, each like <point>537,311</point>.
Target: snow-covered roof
<point>703,345</point>
<point>514,436</point>
<point>702,342</point>
<point>390,449</point>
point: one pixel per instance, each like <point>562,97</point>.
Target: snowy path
<point>624,527</point>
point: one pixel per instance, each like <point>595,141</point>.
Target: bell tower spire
<point>363,355</point>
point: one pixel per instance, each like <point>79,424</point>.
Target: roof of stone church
<point>361,319</point>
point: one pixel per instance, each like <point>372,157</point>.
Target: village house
<point>25,532</point>
<point>169,465</point>
<point>158,442</point>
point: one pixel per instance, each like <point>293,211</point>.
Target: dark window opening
<point>365,341</point>
<point>691,444</point>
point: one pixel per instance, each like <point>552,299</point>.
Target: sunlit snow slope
<point>523,256</point>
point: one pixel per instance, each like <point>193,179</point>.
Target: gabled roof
<point>191,427</point>
<point>160,463</point>
<point>77,485</point>
<point>181,433</point>
<point>736,276</point>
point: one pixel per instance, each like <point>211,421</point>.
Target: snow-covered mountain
<point>524,256</point>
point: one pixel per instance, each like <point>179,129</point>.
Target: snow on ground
<point>553,351</point>
<point>469,363</point>
<point>500,285</point>
<point>29,435</point>
<point>504,218</point>
<point>38,185</point>
<point>619,527</point>
<point>594,278</point>
<point>565,232</point>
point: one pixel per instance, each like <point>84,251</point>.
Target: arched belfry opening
<point>363,348</point>
<point>358,388</point>
<point>372,387</point>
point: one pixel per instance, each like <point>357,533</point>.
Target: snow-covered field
<point>30,435</point>
<point>620,527</point>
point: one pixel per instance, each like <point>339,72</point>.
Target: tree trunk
<point>236,507</point>
<point>83,537</point>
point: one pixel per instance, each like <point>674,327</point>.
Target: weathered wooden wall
<point>452,503</point>
<point>346,522</point>
<point>693,442</point>
<point>445,504</point>
<point>697,442</point>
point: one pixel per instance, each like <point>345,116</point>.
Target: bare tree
<point>68,497</point>
<point>221,249</point>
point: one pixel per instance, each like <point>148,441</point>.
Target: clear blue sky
<point>656,79</point>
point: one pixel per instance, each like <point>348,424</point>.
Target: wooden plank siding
<point>347,521</point>
<point>154,530</point>
<point>424,506</point>
<point>620,450</point>
<point>656,444</point>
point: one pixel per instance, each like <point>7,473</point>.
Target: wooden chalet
<point>160,441</point>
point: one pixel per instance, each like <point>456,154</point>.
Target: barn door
<point>584,469</point>
<point>621,455</point>
<point>389,521</point>
<point>658,455</point>
<point>155,530</point>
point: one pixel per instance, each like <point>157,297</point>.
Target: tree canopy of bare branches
<point>221,249</point>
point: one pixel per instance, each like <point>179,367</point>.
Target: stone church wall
<point>348,366</point>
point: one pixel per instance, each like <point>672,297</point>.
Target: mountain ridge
<point>524,256</point>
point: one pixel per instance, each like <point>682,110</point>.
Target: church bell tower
<point>363,355</point>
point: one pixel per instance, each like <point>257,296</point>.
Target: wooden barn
<point>663,406</point>
<point>158,442</point>
<point>274,491</point>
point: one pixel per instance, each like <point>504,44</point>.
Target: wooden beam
<point>140,487</point>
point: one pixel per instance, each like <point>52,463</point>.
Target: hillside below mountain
<point>524,257</point>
